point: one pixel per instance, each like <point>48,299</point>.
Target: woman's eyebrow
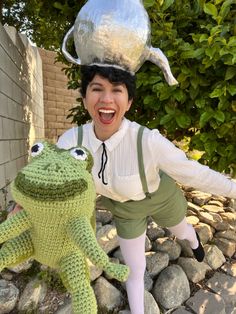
<point>94,83</point>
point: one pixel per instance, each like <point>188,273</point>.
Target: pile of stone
<point>174,281</point>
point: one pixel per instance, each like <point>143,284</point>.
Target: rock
<point>95,272</point>
<point>107,238</point>
<point>118,254</point>
<point>33,294</point>
<point>8,296</point>
<point>194,270</point>
<point>232,204</point>
<point>65,309</point>
<point>213,208</point>
<point>214,257</point>
<point>169,246</point>
<point>181,310</point>
<point>109,298</point>
<point>225,286</point>
<point>204,302</point>
<point>154,231</point>
<point>103,216</point>
<point>21,267</point>
<point>192,220</point>
<point>229,218</point>
<point>124,312</point>
<point>205,232</point>
<point>200,198</point>
<point>227,247</point>
<point>195,208</point>
<point>148,245</point>
<point>148,281</point>
<point>172,287</point>
<point>215,203</point>
<point>150,305</point>
<point>156,262</point>
<point>213,220</point>
<point>230,268</point>
<point>227,234</point>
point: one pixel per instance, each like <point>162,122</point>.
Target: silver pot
<point>115,33</point>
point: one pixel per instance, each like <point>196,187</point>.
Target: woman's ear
<point>129,104</point>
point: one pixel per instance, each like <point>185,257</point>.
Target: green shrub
<point>199,39</point>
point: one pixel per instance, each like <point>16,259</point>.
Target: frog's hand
<point>82,234</point>
<point>14,226</point>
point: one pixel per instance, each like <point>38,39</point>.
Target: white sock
<point>185,231</point>
<point>133,251</point>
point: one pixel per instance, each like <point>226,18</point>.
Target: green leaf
<point>210,147</point>
<point>210,9</point>
<point>232,89</point>
<point>204,118</point>
<point>219,116</point>
<point>167,4</point>
<point>167,118</point>
<point>230,73</point>
<point>217,92</point>
<point>232,41</point>
<point>183,120</point>
<point>225,9</point>
<point>200,102</point>
<point>149,3</point>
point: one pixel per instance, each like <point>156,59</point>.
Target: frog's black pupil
<point>79,152</point>
<point>35,148</point>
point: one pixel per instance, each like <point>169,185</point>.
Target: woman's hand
<point>15,210</point>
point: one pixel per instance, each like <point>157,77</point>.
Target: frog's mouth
<point>50,192</point>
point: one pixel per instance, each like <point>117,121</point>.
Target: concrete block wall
<point>58,99</point>
<point>21,103</point>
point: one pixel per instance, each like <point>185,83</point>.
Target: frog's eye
<point>78,153</point>
<point>36,149</point>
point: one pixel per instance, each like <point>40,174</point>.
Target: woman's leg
<point>185,231</point>
<point>133,251</point>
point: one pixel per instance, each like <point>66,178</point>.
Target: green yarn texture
<point>56,226</point>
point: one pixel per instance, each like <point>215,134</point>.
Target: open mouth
<point>106,115</point>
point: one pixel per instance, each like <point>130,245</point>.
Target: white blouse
<point>122,173</point>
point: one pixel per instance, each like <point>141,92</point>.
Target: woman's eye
<point>96,90</point>
<point>36,149</point>
<point>78,154</point>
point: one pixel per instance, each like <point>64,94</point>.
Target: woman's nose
<point>106,98</point>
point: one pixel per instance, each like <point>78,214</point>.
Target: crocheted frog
<point>57,193</point>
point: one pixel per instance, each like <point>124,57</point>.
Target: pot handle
<point>67,55</point>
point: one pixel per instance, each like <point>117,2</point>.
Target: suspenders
<point>140,156</point>
<point>140,162</point>
<point>80,135</point>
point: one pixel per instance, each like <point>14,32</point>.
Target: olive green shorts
<point>167,206</point>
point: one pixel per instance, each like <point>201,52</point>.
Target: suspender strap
<point>140,162</point>
<point>80,135</point>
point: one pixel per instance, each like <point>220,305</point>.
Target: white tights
<point>133,251</point>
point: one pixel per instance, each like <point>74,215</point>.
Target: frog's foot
<point>16,250</point>
<point>74,273</point>
<point>117,271</point>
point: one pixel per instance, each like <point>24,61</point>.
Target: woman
<point>134,171</point>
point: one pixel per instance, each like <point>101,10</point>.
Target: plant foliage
<point>199,39</point>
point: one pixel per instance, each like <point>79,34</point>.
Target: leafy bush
<point>199,39</point>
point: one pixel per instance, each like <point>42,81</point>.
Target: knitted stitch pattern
<point>57,193</point>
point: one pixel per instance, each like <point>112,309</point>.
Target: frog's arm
<point>14,226</point>
<point>82,234</point>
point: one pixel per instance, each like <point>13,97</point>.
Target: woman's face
<point>107,104</point>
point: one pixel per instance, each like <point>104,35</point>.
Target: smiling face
<point>107,104</point>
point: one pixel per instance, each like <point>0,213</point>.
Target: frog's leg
<point>74,273</point>
<point>16,250</point>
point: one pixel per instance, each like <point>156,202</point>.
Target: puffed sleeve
<point>174,162</point>
<point>68,139</point>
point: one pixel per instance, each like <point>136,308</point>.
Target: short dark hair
<point>113,75</point>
